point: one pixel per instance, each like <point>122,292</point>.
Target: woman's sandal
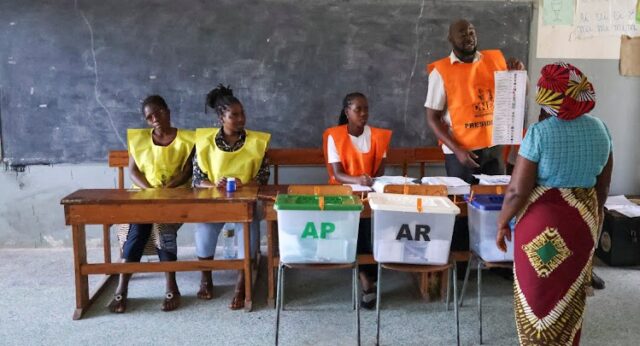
<point>368,300</point>
<point>237,302</point>
<point>118,304</point>
<point>169,298</point>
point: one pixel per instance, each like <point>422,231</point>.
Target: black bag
<point>619,243</point>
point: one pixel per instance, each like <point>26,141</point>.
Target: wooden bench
<point>301,157</point>
<point>403,157</point>
<point>118,159</point>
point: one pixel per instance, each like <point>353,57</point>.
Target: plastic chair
<point>318,190</point>
<point>482,264</point>
<point>426,190</point>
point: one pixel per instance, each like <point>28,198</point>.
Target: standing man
<point>459,110</point>
<point>459,105</point>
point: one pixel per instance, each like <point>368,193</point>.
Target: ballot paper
<point>359,188</point>
<point>622,205</point>
<point>508,107</point>
<point>485,179</point>
<point>380,182</point>
<point>455,186</point>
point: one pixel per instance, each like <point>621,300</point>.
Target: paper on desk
<point>380,182</point>
<point>359,188</point>
<point>508,107</point>
<point>622,205</point>
<point>455,185</point>
<point>486,179</point>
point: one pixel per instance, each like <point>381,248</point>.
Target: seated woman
<point>558,188</point>
<point>230,151</point>
<point>355,153</point>
<point>159,157</point>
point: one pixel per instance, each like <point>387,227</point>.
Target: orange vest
<point>353,161</point>
<point>470,93</point>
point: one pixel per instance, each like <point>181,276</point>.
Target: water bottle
<point>231,184</point>
<point>228,240</point>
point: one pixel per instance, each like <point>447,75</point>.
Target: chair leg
<point>354,292</point>
<point>378,304</point>
<point>449,273</point>
<point>455,302</point>
<point>357,306</point>
<point>282,291</point>
<point>480,299</point>
<point>278,299</point>
<point>466,280</point>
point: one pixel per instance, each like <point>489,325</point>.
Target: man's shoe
<point>596,281</point>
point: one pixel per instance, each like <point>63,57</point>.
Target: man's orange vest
<point>354,162</point>
<point>470,93</point>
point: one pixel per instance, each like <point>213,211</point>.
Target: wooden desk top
<point>269,192</point>
<point>158,196</point>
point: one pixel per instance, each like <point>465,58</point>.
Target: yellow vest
<point>243,164</point>
<point>159,164</point>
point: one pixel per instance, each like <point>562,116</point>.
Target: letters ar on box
<point>421,231</point>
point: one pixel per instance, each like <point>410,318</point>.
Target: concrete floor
<point>37,304</point>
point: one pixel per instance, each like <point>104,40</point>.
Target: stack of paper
<point>359,188</point>
<point>455,186</point>
<point>622,205</point>
<point>493,179</point>
<point>380,182</point>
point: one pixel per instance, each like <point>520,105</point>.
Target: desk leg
<point>80,259</point>
<point>270,252</point>
<point>247,267</point>
<point>106,242</point>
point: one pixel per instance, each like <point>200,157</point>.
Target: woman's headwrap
<point>564,91</point>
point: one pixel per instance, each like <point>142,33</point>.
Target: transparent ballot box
<point>483,228</point>
<point>318,229</point>
<point>411,228</point>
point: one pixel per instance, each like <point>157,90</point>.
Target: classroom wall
<point>617,104</point>
<point>31,216</point>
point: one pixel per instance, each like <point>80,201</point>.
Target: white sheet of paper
<point>486,179</point>
<point>455,186</point>
<point>617,201</point>
<point>596,18</point>
<point>449,181</point>
<point>509,103</point>
<point>358,188</point>
<point>622,205</point>
<point>380,182</point>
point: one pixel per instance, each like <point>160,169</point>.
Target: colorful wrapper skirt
<point>555,239</point>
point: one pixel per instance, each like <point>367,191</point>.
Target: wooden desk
<point>267,193</point>
<point>154,206</point>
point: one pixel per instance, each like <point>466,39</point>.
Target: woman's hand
<point>222,182</point>
<point>365,180</point>
<point>504,231</point>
